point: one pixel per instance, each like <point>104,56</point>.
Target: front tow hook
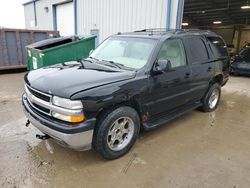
<point>42,137</point>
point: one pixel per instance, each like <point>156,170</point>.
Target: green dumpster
<point>59,50</point>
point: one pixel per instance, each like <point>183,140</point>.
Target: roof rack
<point>196,30</point>
<point>154,30</point>
<point>164,30</point>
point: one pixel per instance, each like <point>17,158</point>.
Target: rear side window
<point>218,47</point>
<point>198,50</point>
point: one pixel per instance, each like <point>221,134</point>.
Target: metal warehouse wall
<point>44,19</point>
<point>112,16</point>
<point>29,15</point>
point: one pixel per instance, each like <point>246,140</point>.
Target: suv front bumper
<point>78,137</point>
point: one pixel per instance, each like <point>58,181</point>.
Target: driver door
<point>170,89</point>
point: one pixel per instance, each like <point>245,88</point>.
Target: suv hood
<point>64,80</point>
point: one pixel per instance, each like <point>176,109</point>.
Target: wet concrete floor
<point>195,150</point>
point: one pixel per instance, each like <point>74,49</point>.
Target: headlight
<point>70,105</point>
<point>67,103</point>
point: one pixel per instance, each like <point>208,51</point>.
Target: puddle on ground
<point>212,118</point>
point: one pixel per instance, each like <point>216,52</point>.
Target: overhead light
<point>245,7</point>
<point>184,24</point>
<point>217,22</point>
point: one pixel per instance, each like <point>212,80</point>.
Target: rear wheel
<point>212,98</point>
<point>116,132</point>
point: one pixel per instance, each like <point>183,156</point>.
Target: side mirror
<point>162,65</point>
<point>90,52</point>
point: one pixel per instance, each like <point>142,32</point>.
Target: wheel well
<point>133,104</point>
<point>217,79</point>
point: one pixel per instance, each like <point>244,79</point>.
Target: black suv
<point>131,81</point>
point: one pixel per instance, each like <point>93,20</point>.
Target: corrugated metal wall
<point>112,16</point>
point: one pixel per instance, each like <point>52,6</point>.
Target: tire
<point>116,132</point>
<point>212,98</point>
<point>231,72</point>
<point>234,74</point>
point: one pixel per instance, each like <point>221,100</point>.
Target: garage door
<point>65,19</point>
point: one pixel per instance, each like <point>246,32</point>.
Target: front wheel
<point>116,132</point>
<point>212,98</point>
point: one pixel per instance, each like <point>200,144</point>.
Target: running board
<point>170,115</point>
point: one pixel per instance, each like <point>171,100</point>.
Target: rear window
<point>218,47</point>
<point>198,50</point>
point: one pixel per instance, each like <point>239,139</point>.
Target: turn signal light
<point>78,118</point>
<point>72,119</point>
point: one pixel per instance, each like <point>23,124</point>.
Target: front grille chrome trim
<point>30,103</point>
<point>33,99</point>
<point>50,96</point>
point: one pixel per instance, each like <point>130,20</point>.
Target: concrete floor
<point>196,150</point>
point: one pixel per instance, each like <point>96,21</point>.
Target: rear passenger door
<point>201,65</point>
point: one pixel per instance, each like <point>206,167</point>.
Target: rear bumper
<point>78,137</point>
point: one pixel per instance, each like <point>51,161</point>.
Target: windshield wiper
<point>93,58</point>
<point>82,60</point>
<point>112,63</point>
<point>118,65</point>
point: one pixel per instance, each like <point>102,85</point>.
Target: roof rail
<point>164,30</point>
<point>152,29</point>
<point>197,30</point>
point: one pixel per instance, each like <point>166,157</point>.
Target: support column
<point>174,14</point>
<point>75,16</point>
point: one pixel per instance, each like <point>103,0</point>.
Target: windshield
<point>244,52</point>
<point>129,52</point>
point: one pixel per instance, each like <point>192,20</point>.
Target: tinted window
<point>173,51</point>
<point>218,47</point>
<point>245,52</point>
<point>198,50</point>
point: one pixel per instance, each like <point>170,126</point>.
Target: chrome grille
<point>42,102</point>
<point>38,100</point>
<point>39,94</point>
<point>47,111</point>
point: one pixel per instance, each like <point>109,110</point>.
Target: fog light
<point>72,119</point>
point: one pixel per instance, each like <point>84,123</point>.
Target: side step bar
<point>170,116</point>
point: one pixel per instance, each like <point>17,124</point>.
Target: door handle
<point>187,75</point>
<point>209,69</point>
